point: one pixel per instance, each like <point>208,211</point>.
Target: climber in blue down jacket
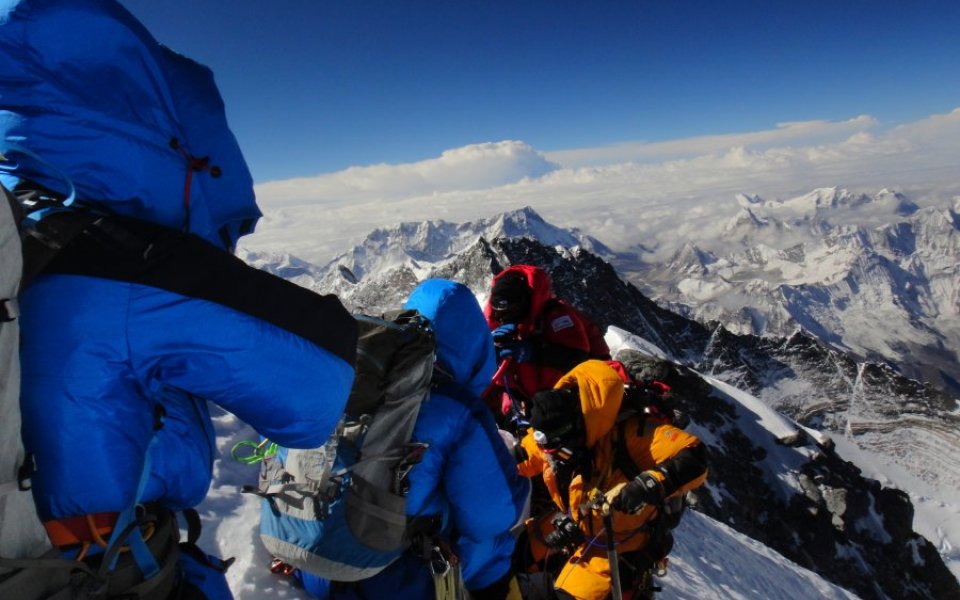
<point>146,316</point>
<point>467,476</point>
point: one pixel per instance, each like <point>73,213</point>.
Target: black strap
<point>15,209</point>
<point>621,456</point>
<point>192,517</point>
<point>52,234</point>
<point>189,546</point>
<point>136,251</point>
<point>423,527</point>
<point>43,240</point>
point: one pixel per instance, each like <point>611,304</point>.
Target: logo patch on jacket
<point>560,323</point>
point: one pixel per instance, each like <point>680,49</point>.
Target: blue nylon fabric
<point>464,343</point>
<point>95,367</point>
<point>467,475</point>
<point>467,470</point>
<point>307,534</point>
<point>87,88</point>
<point>208,579</point>
<point>406,578</point>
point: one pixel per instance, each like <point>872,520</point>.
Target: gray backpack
<point>339,511</point>
<point>22,537</point>
<point>30,567</point>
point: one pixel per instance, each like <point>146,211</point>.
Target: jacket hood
<point>601,394</point>
<point>137,128</point>
<point>542,290</point>
<point>464,345</point>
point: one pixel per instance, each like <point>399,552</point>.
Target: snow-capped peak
<point>423,245</point>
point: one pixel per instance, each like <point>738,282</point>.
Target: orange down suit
<point>651,446</point>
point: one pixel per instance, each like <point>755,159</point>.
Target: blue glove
<point>507,340</point>
<point>505,333</point>
<point>517,350</point>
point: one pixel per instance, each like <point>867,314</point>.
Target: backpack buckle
<point>9,310</point>
<point>412,457</point>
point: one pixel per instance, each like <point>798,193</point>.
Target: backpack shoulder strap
<point>621,455</point>
<point>47,224</point>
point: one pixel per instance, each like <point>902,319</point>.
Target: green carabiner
<point>261,451</point>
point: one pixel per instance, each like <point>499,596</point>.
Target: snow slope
<point>709,561</point>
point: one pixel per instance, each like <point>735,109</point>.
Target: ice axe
<point>601,502</point>
<point>615,593</point>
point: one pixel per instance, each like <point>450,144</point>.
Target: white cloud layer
<point>806,132</point>
<point>478,166</point>
<point>628,194</point>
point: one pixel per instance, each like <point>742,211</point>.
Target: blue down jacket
<point>124,342</point>
<point>467,475</point>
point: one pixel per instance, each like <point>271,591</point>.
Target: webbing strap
<point>307,488</point>
<point>266,489</point>
<point>138,547</point>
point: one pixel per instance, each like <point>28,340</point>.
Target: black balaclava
<point>557,415</point>
<point>510,298</point>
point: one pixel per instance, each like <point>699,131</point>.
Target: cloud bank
<point>654,194</point>
<point>478,166</point>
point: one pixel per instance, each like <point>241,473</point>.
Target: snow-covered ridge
<point>401,254</point>
<point>433,242</point>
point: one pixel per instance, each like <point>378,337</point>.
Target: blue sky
<point>316,86</point>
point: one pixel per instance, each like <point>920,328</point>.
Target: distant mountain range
<point>871,275</point>
<point>825,369</point>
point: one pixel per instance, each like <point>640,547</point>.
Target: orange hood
<point>601,394</point>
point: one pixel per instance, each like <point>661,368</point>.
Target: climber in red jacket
<point>538,338</point>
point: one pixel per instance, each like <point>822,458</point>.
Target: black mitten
<point>644,489</point>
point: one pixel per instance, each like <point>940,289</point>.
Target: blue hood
<point>464,345</point>
<point>84,86</point>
